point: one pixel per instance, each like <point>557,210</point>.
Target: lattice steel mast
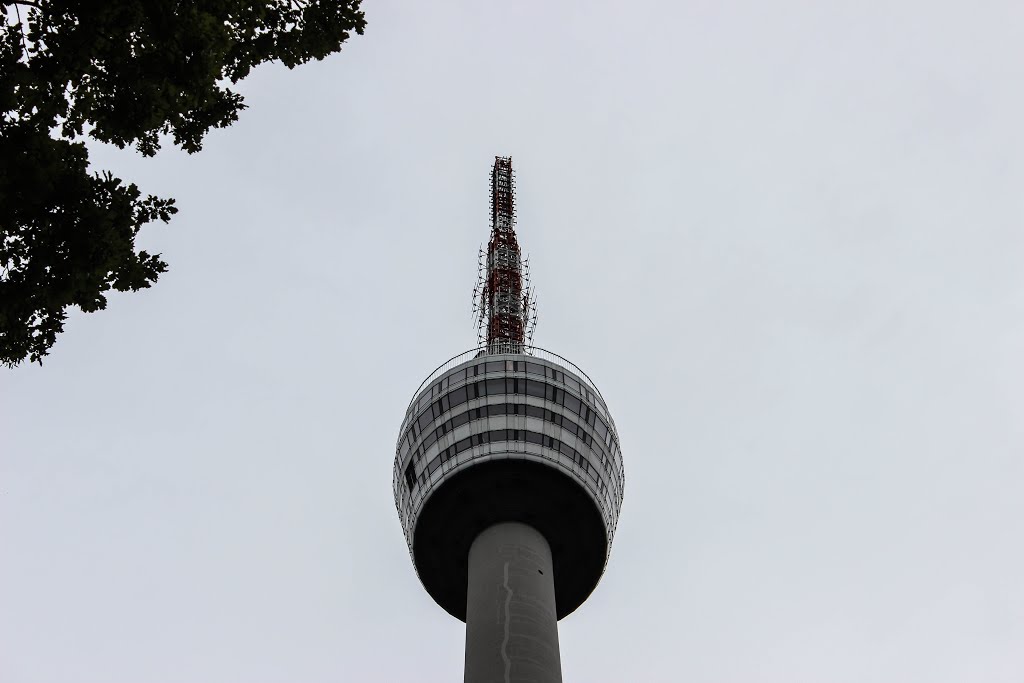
<point>504,302</point>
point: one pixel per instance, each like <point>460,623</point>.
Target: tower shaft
<point>511,623</point>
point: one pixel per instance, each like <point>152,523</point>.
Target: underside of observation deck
<point>509,490</point>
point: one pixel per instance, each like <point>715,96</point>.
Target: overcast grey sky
<point>785,239</point>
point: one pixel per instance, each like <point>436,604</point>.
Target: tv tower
<point>508,475</point>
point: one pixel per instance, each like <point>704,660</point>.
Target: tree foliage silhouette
<point>127,73</point>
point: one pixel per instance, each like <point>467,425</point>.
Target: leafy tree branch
<point>127,73</point>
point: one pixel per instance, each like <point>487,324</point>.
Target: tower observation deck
<point>508,476</point>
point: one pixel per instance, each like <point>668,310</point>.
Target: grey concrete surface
<point>511,626</point>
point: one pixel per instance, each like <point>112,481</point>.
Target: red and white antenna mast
<point>503,299</point>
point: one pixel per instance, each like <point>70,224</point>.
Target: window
<point>534,388</point>
<point>459,396</point>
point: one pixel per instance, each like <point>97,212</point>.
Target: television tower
<point>508,475</point>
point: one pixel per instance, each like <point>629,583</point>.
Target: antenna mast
<point>504,302</point>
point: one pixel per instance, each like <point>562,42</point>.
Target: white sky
<point>783,238</point>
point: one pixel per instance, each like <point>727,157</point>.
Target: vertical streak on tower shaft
<point>511,624</point>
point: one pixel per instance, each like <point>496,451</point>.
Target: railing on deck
<point>481,351</point>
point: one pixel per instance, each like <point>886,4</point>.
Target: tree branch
<point>21,27</point>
